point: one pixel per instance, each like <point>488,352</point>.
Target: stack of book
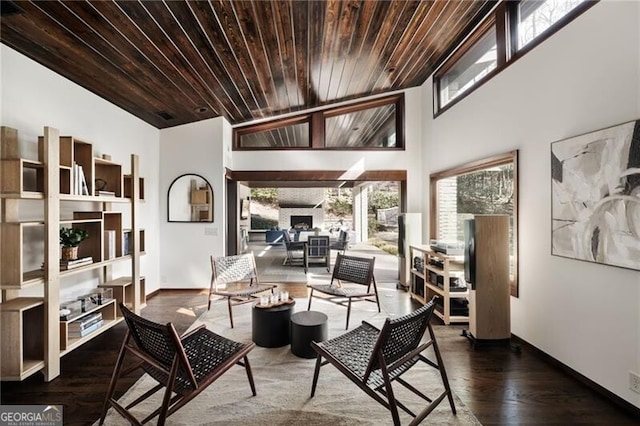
<point>85,325</point>
<point>76,263</point>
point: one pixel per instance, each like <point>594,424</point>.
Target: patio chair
<point>183,365</point>
<point>342,243</point>
<point>239,277</point>
<point>293,247</point>
<point>373,359</point>
<point>317,248</point>
<point>355,272</point>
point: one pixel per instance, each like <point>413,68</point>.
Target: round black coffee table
<point>307,327</point>
<point>270,326</point>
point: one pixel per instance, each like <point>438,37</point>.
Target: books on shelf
<point>126,243</point>
<point>81,332</point>
<point>71,264</point>
<point>79,181</point>
<point>85,325</point>
<point>86,321</point>
<point>109,244</point>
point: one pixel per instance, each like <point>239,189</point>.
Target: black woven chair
<point>350,275</point>
<point>293,247</point>
<point>342,243</point>
<point>373,359</point>
<point>317,248</point>
<point>239,276</point>
<point>183,365</point>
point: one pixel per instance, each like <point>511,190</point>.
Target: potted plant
<point>70,239</point>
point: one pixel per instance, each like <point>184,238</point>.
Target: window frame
<point>505,20</point>
<point>510,157</point>
<point>316,121</point>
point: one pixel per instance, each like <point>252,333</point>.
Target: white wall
<point>585,77</point>
<point>186,247</point>
<point>409,159</point>
<point>33,97</point>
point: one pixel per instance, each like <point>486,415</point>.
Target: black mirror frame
<point>169,199</point>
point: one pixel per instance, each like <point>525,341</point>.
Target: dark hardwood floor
<point>500,386</point>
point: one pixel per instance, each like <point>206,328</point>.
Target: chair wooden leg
<point>375,290</point>
<point>443,372</point>
<point>164,409</point>
<point>316,373</point>
<point>230,312</point>
<point>310,297</point>
<point>393,406</point>
<point>247,367</point>
<point>114,378</point>
<point>348,314</point>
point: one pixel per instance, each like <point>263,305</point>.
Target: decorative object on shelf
<point>190,199</point>
<point>595,196</point>
<point>100,184</point>
<point>70,238</point>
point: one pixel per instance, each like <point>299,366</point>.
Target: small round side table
<point>307,327</point>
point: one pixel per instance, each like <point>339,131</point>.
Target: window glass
<point>368,128</point>
<point>490,190</point>
<point>292,136</point>
<point>475,64</point>
<point>535,16</point>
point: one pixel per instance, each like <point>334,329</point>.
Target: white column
<point>360,216</point>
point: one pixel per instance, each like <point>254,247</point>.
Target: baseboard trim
<point>615,399</point>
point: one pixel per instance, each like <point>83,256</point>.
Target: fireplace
<point>301,223</point>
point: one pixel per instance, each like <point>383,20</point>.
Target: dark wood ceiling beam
<point>316,175</point>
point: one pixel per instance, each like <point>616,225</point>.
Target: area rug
<point>283,384</point>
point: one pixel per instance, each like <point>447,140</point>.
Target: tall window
<point>486,187</point>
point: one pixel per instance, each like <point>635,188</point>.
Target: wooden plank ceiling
<point>175,62</point>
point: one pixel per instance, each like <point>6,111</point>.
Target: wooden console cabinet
<point>433,274</point>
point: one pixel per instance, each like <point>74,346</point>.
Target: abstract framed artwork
<point>595,196</point>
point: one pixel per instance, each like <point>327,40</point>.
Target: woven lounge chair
<point>183,365</point>
<point>373,359</point>
<point>239,277</point>
<point>350,275</point>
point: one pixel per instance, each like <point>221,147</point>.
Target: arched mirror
<point>190,199</point>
